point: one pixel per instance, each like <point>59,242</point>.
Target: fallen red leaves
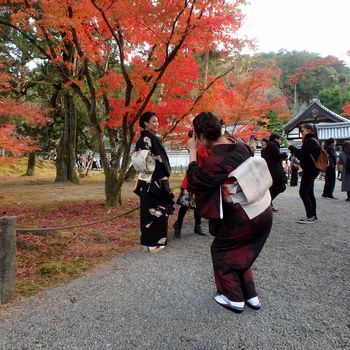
<point>66,253</point>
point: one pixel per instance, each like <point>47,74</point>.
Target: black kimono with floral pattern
<point>155,195</point>
<point>238,240</point>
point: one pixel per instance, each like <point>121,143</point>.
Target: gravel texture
<point>164,301</point>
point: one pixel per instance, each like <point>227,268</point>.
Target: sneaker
<point>311,220</point>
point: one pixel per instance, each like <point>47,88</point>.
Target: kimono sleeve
<point>205,182</point>
<point>144,142</point>
<point>204,177</point>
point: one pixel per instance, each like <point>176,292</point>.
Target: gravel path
<point>164,301</point>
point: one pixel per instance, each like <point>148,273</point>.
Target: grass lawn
<point>36,201</point>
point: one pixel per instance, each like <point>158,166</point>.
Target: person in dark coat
<point>239,239</point>
<point>271,153</point>
<point>310,146</point>
<point>344,160</point>
<point>330,175</point>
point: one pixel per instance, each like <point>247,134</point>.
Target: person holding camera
<point>187,199</point>
<point>156,199</point>
<point>239,235</point>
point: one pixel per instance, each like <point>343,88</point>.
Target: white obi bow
<point>251,190</point>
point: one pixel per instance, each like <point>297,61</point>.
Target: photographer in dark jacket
<point>309,147</point>
<point>271,153</point>
<point>329,183</point>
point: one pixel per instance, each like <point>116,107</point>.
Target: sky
<point>320,26</point>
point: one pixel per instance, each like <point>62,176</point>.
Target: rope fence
<point>60,228</point>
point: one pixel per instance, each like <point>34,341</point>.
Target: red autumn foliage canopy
<point>300,73</point>
<point>248,98</point>
<point>146,53</point>
<point>153,43</point>
<point>12,111</point>
<point>346,110</point>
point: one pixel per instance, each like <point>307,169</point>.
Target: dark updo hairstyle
<point>312,128</point>
<point>207,125</point>
<point>145,117</point>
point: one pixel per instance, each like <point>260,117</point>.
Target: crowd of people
<point>88,161</point>
<point>233,190</point>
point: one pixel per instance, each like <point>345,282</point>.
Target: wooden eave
<point>315,113</point>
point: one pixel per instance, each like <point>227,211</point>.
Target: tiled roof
<point>338,131</point>
<point>334,116</point>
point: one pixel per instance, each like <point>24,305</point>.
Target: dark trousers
<point>294,178</point>
<point>329,182</point>
<point>306,193</point>
<point>182,212</point>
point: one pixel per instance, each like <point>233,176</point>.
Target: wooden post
<point>7,258</point>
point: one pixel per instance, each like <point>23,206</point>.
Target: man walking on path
<point>271,153</point>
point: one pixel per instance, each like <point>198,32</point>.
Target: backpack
<point>322,161</point>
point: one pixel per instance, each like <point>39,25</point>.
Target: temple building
<point>328,123</point>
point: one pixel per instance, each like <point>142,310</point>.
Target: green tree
<point>335,98</point>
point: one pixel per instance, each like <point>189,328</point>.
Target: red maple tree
<point>12,111</point>
<point>127,56</point>
<point>244,100</point>
<point>300,73</point>
<point>346,110</point>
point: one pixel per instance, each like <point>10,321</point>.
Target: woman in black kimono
<point>153,189</point>
<point>238,239</point>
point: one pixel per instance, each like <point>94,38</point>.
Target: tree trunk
<point>130,174</point>
<point>31,165</point>
<point>112,189</point>
<point>115,170</point>
<point>66,154</point>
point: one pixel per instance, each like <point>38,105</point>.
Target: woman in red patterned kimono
<point>238,239</point>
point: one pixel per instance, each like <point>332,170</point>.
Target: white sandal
<point>253,303</point>
<point>235,306</point>
<point>155,249</point>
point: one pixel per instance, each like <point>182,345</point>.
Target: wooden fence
<point>7,258</point>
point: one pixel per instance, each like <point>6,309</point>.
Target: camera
<point>190,133</point>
